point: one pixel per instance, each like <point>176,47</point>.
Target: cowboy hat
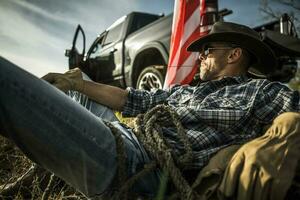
<point>245,37</point>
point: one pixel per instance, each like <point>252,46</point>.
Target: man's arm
<point>275,98</point>
<point>109,96</point>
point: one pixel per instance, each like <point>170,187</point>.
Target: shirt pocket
<point>228,104</point>
<point>180,100</point>
<point>185,99</point>
<point>222,113</point>
<point>224,103</point>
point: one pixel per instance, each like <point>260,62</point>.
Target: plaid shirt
<point>217,113</point>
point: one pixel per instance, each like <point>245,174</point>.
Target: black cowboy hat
<point>245,37</point>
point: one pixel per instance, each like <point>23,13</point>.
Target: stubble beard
<point>204,72</point>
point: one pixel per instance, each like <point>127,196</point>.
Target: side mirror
<point>67,52</point>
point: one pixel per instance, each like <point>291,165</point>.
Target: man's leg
<point>52,130</point>
<point>97,109</point>
<point>136,154</point>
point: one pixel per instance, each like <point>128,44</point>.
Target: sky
<point>35,33</point>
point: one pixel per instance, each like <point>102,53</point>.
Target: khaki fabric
<point>265,167</point>
<point>71,80</point>
<point>211,175</point>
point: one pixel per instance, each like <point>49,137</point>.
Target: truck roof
<point>117,22</point>
<point>121,19</point>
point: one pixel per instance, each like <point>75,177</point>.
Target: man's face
<point>213,58</point>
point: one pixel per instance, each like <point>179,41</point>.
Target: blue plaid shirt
<point>217,113</point>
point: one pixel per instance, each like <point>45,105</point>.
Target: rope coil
<point>148,129</point>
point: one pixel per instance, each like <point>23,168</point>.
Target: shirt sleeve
<point>140,101</point>
<point>276,98</point>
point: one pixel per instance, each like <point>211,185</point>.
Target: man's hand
<point>264,168</point>
<point>71,80</point>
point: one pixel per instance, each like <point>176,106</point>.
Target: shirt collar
<point>239,79</point>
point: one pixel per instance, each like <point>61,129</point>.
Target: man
<point>227,108</point>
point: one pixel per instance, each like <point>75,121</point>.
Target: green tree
<point>272,9</point>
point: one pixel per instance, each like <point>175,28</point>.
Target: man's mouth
<point>203,65</point>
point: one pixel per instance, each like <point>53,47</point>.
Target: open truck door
<point>76,58</point>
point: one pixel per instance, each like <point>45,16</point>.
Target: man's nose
<point>201,57</point>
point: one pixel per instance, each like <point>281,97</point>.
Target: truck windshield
<point>113,34</point>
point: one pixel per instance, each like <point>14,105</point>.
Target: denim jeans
<point>64,137</point>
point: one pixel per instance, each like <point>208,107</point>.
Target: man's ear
<point>234,55</point>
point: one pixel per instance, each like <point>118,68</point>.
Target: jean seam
<point>27,94</point>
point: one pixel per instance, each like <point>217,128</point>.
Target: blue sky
<point>35,33</point>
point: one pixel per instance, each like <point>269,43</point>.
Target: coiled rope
<point>148,129</point>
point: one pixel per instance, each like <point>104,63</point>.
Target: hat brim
<point>265,58</point>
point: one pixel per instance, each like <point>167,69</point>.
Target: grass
<point>14,164</point>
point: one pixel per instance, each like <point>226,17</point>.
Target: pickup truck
<point>134,50</point>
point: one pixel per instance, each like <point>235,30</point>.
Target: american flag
<point>191,20</point>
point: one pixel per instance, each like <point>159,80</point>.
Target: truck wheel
<point>150,77</point>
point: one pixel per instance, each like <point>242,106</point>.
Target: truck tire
<point>151,77</point>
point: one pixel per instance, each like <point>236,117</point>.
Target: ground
<point>22,179</point>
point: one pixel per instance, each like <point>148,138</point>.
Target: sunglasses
<point>207,50</point>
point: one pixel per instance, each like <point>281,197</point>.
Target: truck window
<point>96,51</point>
<point>140,22</point>
<point>96,48</point>
<point>113,34</point>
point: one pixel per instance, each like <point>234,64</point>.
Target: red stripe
<point>191,6</point>
<point>186,9</point>
<point>191,75</point>
<point>177,34</point>
<point>202,9</point>
<point>184,54</point>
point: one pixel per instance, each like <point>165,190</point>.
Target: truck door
<point>76,53</point>
<point>105,57</point>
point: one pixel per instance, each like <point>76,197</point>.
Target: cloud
<point>34,33</point>
<point>42,12</point>
<point>15,27</point>
<point>38,66</point>
<point>27,44</point>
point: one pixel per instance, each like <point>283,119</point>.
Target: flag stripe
<point>191,27</point>
<point>178,29</point>
<point>189,22</point>
<point>191,6</point>
<point>183,71</point>
<point>183,56</point>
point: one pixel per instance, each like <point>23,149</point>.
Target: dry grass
<point>36,184</point>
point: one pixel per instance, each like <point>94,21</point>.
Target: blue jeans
<point>64,137</point>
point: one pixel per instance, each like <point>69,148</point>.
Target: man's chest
<point>226,97</point>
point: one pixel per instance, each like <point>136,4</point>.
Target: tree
<point>273,10</point>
